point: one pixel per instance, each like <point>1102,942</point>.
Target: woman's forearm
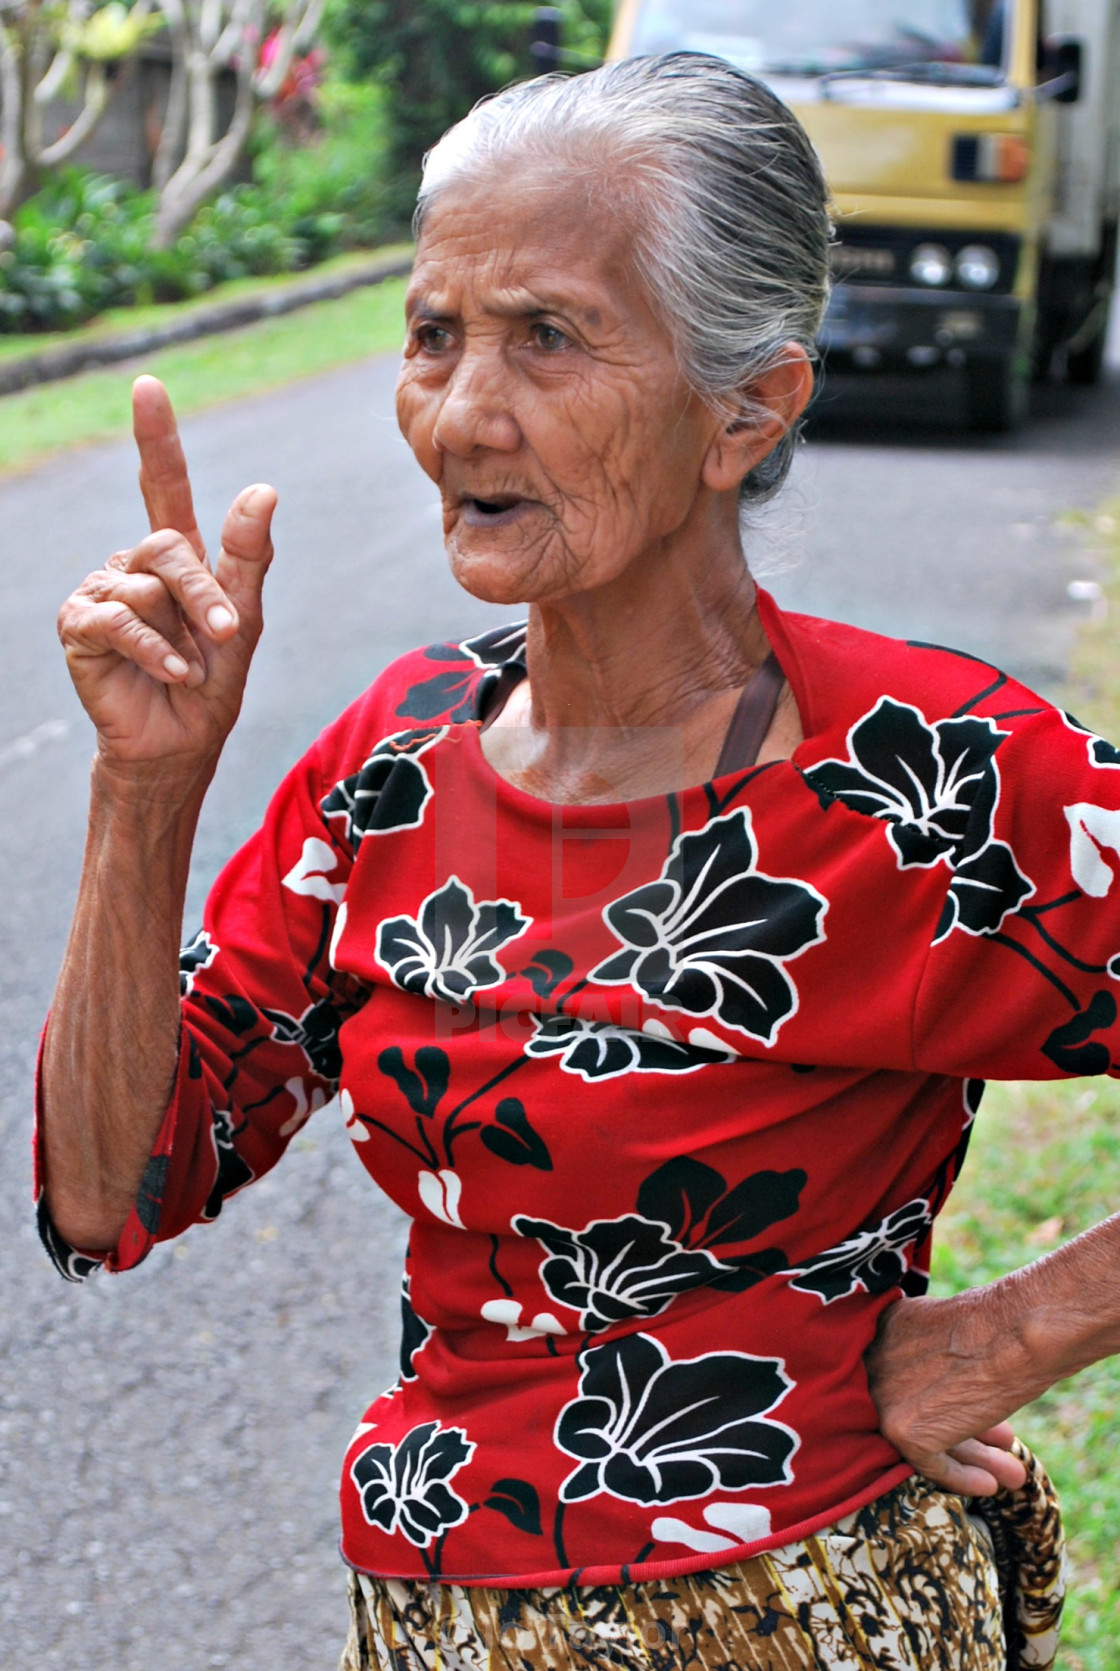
<point>112,1041</point>
<point>1065,1308</point>
<point>158,645</point>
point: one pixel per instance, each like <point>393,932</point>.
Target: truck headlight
<point>977,267</point>
<point>931,264</point>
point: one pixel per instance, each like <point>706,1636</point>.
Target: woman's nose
<point>474,413</point>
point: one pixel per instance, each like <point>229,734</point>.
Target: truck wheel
<point>996,396</point>
<point>1084,367</point>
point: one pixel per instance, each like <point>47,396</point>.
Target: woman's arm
<point>112,1042</point>
<point>159,649</point>
<point>944,1371</point>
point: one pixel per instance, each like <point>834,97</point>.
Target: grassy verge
<point>95,406</point>
<point>108,324</point>
<point>1044,1165</point>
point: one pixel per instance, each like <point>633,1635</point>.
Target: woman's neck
<point>631,688</point>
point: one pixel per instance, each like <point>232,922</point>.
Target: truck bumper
<point>880,327</point>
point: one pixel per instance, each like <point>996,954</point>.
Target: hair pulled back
<point>728,204</point>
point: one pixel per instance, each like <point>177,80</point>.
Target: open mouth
<point>503,507</point>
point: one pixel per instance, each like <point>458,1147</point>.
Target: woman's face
<point>541,394</point>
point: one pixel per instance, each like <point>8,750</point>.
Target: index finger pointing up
<point>164,481</point>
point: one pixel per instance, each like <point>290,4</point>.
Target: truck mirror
<point>545,44</point>
<point>1064,66</point>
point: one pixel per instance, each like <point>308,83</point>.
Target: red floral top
<point>672,1090</point>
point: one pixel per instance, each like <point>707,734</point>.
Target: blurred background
<point>219,191</point>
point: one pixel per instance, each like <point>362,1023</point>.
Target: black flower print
<point>692,1200</point>
<point>650,1430</point>
<point>459,692</point>
<point>415,1332</point>
<point>498,645</point>
<point>234,1172</point>
<point>875,1259</point>
<point>617,1268</point>
<point>67,1261</point>
<point>986,886</point>
<point>519,1502</point>
<point>547,970</point>
<point>922,780</point>
<point>602,1050</point>
<point>936,788</point>
<point>972,1093</point>
<point>199,954</point>
<point>389,792</point>
<point>424,1085</point>
<point>1101,753</point>
<point>447,951</point>
<point>316,1034</point>
<point>1072,1047</point>
<point>513,1138</point>
<point>712,935</point>
<point>404,1487</point>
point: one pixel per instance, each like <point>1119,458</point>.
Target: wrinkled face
<point>542,394</point>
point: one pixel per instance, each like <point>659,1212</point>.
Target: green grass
<point>1044,1165</point>
<point>19,344</point>
<point>95,406</point>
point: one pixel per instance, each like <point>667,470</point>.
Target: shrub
<point>437,58</point>
<point>83,244</point>
<point>332,187</point>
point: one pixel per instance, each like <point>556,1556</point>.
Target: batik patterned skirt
<point>919,1580</point>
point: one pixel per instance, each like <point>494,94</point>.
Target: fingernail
<point>219,618</point>
<point>256,499</point>
<point>176,666</point>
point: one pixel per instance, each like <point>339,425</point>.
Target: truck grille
<point>881,254</point>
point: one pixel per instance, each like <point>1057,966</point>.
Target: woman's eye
<point>433,339</point>
<point>549,337</point>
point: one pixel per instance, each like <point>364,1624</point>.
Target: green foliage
<point>437,58</point>
<point>83,244</point>
<point>1043,1166</point>
<point>332,187</point>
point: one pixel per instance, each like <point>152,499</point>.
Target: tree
<point>47,49</point>
<point>255,40</point>
<point>437,58</point>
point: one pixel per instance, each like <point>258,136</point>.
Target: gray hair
<point>732,230</point>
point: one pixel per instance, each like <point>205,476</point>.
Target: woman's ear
<point>771,405</point>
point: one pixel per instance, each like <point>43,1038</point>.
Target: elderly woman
<point>656,950</point>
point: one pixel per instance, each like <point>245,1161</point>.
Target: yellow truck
<point>973,152</point>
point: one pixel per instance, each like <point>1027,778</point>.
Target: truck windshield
<point>818,37</point>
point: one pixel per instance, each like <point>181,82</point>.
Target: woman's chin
<point>493,576</point>
<point>486,583</point>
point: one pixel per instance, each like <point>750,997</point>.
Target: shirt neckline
<point>785,655</point>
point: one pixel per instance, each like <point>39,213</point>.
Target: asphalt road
<point>169,1441</point>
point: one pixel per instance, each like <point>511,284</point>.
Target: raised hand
<point>158,646</point>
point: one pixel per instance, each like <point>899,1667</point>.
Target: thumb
<point>246,548</point>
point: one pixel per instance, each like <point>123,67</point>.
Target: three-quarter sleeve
<point>261,1013</point>
<point>1022,980</point>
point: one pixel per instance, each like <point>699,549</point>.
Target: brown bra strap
<point>754,711</point>
<point>752,718</point>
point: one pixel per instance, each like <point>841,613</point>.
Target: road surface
<point>169,1441</point>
